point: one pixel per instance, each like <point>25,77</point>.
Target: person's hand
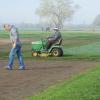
<point>14,45</point>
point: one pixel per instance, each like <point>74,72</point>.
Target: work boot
<point>8,68</point>
<point>21,68</point>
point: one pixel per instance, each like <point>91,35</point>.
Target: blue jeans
<point>16,50</point>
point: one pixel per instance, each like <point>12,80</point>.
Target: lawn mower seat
<point>59,42</point>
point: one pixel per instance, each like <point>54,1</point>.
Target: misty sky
<point>17,11</point>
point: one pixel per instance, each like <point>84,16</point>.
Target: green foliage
<point>56,11</point>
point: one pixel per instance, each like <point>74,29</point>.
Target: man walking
<point>16,47</point>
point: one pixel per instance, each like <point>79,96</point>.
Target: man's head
<point>7,27</point>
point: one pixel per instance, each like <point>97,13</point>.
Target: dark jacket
<point>55,37</point>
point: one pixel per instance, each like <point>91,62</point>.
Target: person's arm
<point>52,36</point>
<point>15,37</point>
<point>49,37</point>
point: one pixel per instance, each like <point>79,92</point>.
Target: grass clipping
<point>81,87</point>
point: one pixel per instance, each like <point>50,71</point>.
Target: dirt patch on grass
<point>4,42</point>
<point>39,75</point>
<point>7,41</point>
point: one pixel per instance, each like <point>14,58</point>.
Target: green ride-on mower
<point>38,49</point>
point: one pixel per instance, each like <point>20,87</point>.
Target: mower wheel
<point>34,54</point>
<point>57,52</point>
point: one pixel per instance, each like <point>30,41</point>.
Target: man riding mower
<point>52,46</point>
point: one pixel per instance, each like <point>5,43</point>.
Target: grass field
<point>82,87</point>
<point>77,45</point>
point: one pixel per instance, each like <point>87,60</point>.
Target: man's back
<point>57,35</point>
<point>14,35</point>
